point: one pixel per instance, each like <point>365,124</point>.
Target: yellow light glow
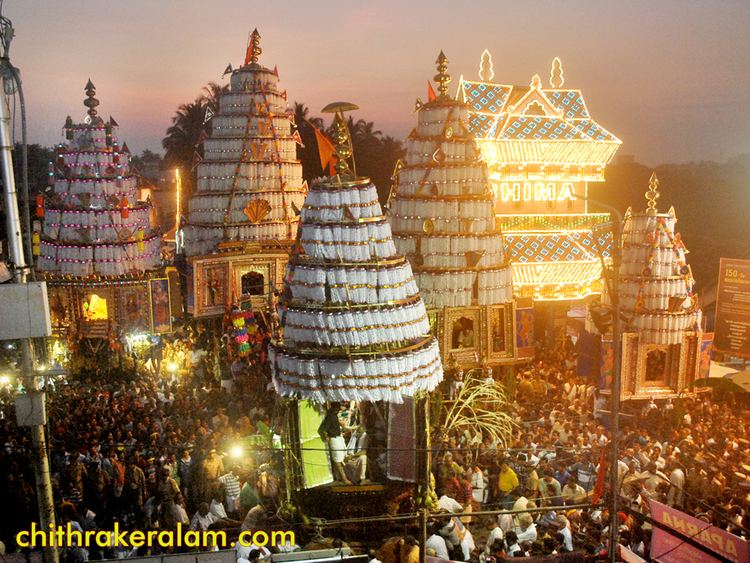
<point>172,367</point>
<point>178,190</point>
<point>4,379</point>
<point>95,309</point>
<point>236,451</point>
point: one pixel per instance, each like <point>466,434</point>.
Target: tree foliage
<point>375,154</point>
<point>183,141</point>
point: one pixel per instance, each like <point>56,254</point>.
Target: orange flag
<point>431,96</point>
<point>601,477</point>
<point>325,149</point>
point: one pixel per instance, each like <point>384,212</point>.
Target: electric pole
<point>39,459</point>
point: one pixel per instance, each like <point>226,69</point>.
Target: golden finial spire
<point>253,49</point>
<point>486,71</point>
<point>556,78</point>
<point>91,102</point>
<point>653,193</point>
<point>536,82</point>
<point>442,77</point>
<point>341,137</point>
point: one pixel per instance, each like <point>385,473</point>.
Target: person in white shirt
<point>467,544</point>
<point>478,487</point>
<point>203,518</point>
<point>451,505</point>
<point>436,545</point>
<point>512,540</point>
<point>250,552</point>
<point>495,538</point>
<point>217,509</point>
<point>526,530</point>
<point>567,535</point>
<point>676,493</point>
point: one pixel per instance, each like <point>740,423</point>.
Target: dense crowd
<point>689,453</point>
<point>168,448</point>
<point>172,446</point>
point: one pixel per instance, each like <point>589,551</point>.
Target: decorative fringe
<point>369,378</point>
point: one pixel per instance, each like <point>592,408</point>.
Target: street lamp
<point>178,212</point>
<point>236,451</point>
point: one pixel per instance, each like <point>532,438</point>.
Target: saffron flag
<point>601,477</point>
<point>431,96</point>
<point>326,149</point>
<point>227,70</point>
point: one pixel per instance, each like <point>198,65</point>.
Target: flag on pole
<point>112,121</point>
<point>209,115</point>
<point>431,96</point>
<point>601,477</point>
<point>196,159</point>
<point>298,139</point>
<point>276,70</point>
<point>326,150</point>
<point>227,70</point>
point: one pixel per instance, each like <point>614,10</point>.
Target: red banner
<point>670,549</point>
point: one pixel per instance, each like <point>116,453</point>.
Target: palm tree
<point>212,92</point>
<point>182,143</point>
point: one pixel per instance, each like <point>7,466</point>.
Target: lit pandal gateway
<point>242,221</point>
<point>355,331</point>
<point>661,339</point>
<point>98,249</point>
<point>542,148</point>
<point>441,208</point>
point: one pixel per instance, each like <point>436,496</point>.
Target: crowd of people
<point>689,453</point>
<point>172,446</point>
<point>167,449</point>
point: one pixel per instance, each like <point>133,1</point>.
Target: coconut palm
<point>182,143</point>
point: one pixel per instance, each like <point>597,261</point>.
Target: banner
<point>525,329</point>
<point>704,365</point>
<point>402,441</point>
<point>628,556</point>
<point>161,308</point>
<point>670,549</point>
<point>589,350</point>
<point>732,326</point>
<point>316,463</point>
<point>607,362</point>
